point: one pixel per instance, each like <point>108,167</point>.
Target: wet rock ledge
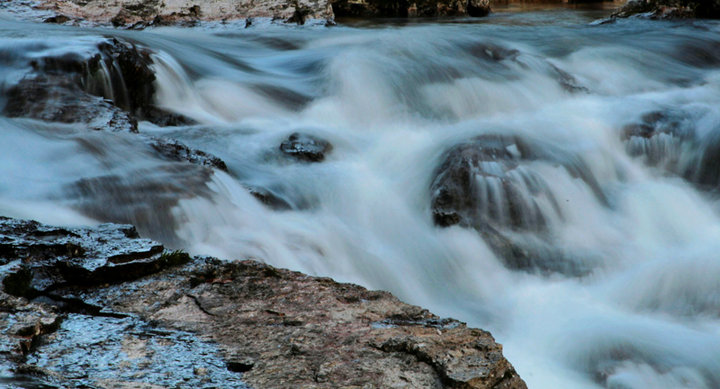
<point>103,308</point>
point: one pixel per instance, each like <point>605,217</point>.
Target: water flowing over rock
<point>110,85</point>
<point>613,284</point>
<point>669,140</point>
<point>74,297</point>
<point>269,198</point>
<point>474,186</point>
<point>658,138</point>
<point>57,99</point>
<point>489,184</point>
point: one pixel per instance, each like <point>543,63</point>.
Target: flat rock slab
<point>130,353</point>
<point>46,256</point>
<point>287,329</point>
<point>216,321</point>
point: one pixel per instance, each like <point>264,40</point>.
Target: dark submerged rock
<point>57,99</point>
<point>144,197</point>
<point>163,118</point>
<point>702,165</point>
<point>475,186</point>
<point>506,61</point>
<point>57,19</point>
<point>667,139</point>
<point>488,184</point>
<point>177,151</point>
<point>306,147</point>
<point>402,8</point>
<point>658,138</point>
<point>269,198</point>
<point>66,88</point>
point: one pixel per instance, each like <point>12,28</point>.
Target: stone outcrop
<point>177,151</point>
<point>57,99</point>
<point>491,184</point>
<point>73,297</point>
<point>112,82</point>
<point>134,14</point>
<point>670,9</point>
<point>668,139</point>
<point>658,138</point>
<point>305,147</point>
<point>109,86</point>
<point>405,8</point>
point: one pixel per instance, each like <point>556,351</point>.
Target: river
<point>623,287</point>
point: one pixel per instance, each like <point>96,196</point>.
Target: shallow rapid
<point>590,250</point>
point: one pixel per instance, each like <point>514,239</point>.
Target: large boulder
<point>52,338</point>
<point>491,184</point>
<point>113,79</point>
<point>96,324</point>
<point>668,140</point>
<point>55,98</point>
<point>658,138</point>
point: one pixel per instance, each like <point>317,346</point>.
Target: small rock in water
<point>177,151</point>
<point>57,19</point>
<point>306,147</point>
<point>269,198</point>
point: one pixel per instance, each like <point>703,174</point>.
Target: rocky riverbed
<point>134,14</point>
<point>103,308</point>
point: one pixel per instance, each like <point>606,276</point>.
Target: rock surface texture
<point>670,9</point>
<point>71,298</point>
<point>134,14</point>
<point>491,183</point>
<point>404,8</point>
<point>305,147</point>
<point>109,84</point>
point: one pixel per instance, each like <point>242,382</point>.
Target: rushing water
<point>392,99</point>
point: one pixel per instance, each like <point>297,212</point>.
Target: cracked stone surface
<point>292,330</point>
<point>136,305</point>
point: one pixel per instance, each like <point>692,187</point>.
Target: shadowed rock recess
<point>103,308</point>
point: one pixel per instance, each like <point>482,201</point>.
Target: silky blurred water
<point>392,98</point>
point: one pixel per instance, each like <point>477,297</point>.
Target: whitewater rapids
<point>392,99</point>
